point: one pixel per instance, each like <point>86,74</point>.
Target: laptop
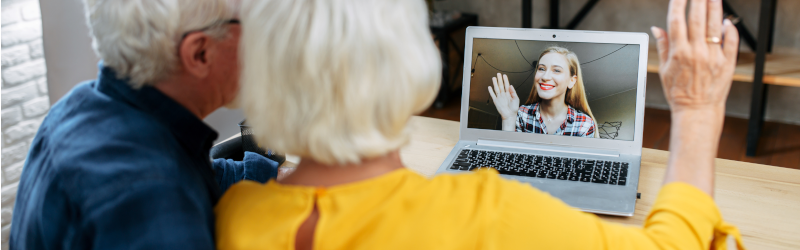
<point>586,150</point>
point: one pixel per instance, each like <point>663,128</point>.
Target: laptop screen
<point>555,88</point>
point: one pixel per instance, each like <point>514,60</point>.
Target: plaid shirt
<point>577,123</point>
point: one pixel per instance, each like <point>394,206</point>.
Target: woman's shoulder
<point>238,193</point>
<point>248,193</point>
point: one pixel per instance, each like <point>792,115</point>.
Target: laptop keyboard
<point>538,166</point>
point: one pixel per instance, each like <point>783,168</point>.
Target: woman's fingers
<point>676,22</point>
<point>500,84</point>
<point>714,20</point>
<point>491,93</point>
<point>730,44</point>
<point>494,83</point>
<point>513,93</point>
<point>698,17</point>
<point>662,44</point>
<point>505,83</point>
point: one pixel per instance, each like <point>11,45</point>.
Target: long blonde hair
<point>576,96</point>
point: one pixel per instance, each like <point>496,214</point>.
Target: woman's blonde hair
<point>576,96</point>
<point>336,81</point>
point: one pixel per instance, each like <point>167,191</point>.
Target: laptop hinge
<point>549,148</point>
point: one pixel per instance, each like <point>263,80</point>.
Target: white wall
<point>24,94</point>
<point>67,46</point>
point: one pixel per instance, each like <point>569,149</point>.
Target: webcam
<point>554,36</point>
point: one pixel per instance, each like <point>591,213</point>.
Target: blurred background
<point>46,51</point>
<point>778,143</point>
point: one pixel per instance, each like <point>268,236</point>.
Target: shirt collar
<point>537,115</point>
<point>571,113</point>
<point>190,131</point>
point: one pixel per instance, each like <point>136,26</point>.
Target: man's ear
<point>193,53</point>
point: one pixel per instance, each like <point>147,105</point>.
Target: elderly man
<point>122,161</point>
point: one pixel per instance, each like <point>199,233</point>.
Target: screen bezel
<point>621,146</point>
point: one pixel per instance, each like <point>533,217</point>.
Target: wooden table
<point>763,201</point>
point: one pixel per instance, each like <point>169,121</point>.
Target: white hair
<point>139,38</point>
<point>336,81</point>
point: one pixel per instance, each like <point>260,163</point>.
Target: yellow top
<point>404,210</point>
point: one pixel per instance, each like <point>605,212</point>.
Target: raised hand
<point>697,62</point>
<point>506,100</point>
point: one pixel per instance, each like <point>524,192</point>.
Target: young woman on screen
<point>557,103</point>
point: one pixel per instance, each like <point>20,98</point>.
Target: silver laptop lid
<point>613,71</point>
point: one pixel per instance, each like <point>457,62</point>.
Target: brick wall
<point>24,94</point>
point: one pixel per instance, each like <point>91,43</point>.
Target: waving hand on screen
<point>506,100</point>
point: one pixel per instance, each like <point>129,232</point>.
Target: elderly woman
<point>336,82</point>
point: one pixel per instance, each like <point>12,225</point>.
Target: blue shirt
<point>116,168</point>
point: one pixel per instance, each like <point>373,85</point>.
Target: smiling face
<point>553,76</point>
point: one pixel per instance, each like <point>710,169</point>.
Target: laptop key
<point>621,181</point>
<point>462,165</point>
<point>513,171</point>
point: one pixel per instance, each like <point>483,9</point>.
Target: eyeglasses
<point>230,21</point>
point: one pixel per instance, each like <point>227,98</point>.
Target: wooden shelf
<point>780,69</point>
